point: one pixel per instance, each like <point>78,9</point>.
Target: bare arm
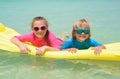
<point>23,48</point>
<point>16,42</point>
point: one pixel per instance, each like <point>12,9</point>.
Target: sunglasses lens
<point>84,31</point>
<point>43,28</point>
<point>36,28</point>
<point>78,31</point>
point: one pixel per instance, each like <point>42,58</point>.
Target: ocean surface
<point>103,17</point>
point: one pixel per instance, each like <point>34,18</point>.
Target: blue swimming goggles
<point>79,31</point>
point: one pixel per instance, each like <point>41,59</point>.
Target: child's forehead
<point>81,27</point>
<point>40,22</point>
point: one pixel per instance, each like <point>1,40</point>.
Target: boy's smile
<point>81,37</point>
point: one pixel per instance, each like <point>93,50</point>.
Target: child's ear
<point>74,34</point>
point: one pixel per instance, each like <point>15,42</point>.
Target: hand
<point>72,50</point>
<point>97,50</point>
<point>40,51</point>
<point>24,49</point>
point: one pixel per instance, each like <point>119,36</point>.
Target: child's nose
<point>82,33</point>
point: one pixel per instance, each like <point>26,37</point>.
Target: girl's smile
<point>39,29</point>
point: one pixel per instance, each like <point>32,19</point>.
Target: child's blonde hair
<point>78,25</point>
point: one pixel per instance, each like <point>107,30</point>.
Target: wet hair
<point>40,18</point>
<point>78,25</point>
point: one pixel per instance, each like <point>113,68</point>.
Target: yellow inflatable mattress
<point>111,53</point>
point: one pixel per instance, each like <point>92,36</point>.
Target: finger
<point>75,50</point>
<point>23,52</point>
<point>72,50</point>
<point>97,51</point>
<point>38,52</point>
<point>69,50</point>
<point>29,50</point>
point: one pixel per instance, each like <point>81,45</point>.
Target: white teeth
<point>39,33</point>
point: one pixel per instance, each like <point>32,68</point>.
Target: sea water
<point>103,17</point>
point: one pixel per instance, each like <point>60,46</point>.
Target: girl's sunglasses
<point>79,31</point>
<point>39,28</point>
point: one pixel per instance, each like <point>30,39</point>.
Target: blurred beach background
<point>103,17</point>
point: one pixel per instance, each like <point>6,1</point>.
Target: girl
<point>81,38</point>
<point>40,37</point>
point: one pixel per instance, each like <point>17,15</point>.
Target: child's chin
<point>81,40</point>
<point>39,36</point>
